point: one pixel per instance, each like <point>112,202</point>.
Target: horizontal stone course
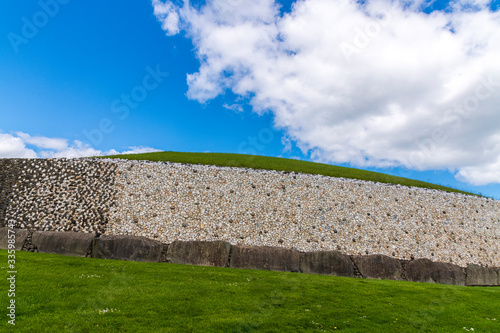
<point>75,244</point>
<point>130,248</point>
<point>327,263</point>
<point>222,254</point>
<point>378,267</point>
<point>199,253</point>
<point>19,238</point>
<point>265,257</point>
<point>425,270</point>
<point>482,276</point>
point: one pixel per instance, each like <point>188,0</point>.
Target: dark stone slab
<point>75,244</point>
<point>326,262</point>
<point>20,238</point>
<point>378,266</point>
<point>132,248</point>
<point>425,270</point>
<point>199,253</point>
<point>265,257</point>
<point>481,276</point>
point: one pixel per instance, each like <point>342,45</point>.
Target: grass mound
<point>281,164</point>
<point>66,294</point>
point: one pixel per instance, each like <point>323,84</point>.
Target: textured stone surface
<point>425,270</point>
<point>481,276</point>
<point>20,238</point>
<point>75,244</point>
<point>170,202</point>
<point>131,248</point>
<point>326,262</point>
<point>199,253</point>
<point>60,194</point>
<point>9,172</point>
<point>264,257</point>
<point>378,267</point>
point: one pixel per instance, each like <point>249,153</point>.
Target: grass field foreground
<point>65,294</point>
<point>281,164</point>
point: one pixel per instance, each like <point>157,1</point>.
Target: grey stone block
<point>326,262</point>
<point>131,248</point>
<point>265,257</point>
<point>425,270</point>
<point>75,244</point>
<point>199,253</point>
<point>20,238</point>
<point>378,266</point>
<point>481,276</point>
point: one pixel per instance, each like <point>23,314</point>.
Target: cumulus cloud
<point>381,84</point>
<point>22,145</point>
<point>11,146</point>
<point>168,16</point>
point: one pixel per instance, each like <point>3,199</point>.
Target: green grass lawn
<point>281,164</point>
<point>65,294</point>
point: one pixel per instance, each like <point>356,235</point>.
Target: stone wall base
<point>223,254</point>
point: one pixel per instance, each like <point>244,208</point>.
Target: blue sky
<point>95,77</point>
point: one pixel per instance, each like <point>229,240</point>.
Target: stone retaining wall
<point>172,202</point>
<point>9,174</point>
<point>57,194</point>
<point>169,202</point>
<point>223,254</point>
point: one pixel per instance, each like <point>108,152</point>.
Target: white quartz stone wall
<point>170,201</point>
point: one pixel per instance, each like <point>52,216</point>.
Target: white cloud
<point>482,175</point>
<point>11,146</point>
<point>234,107</point>
<point>375,85</point>
<point>168,16</point>
<point>22,145</point>
<point>287,144</point>
<point>139,150</point>
<point>43,142</point>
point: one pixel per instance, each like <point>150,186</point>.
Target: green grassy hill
<point>281,164</point>
<point>66,294</point>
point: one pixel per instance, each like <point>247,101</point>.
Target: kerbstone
<point>481,276</point>
<point>199,253</point>
<point>75,244</point>
<point>131,248</point>
<point>326,262</point>
<point>425,270</point>
<point>265,257</point>
<point>20,238</point>
<point>378,266</point>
